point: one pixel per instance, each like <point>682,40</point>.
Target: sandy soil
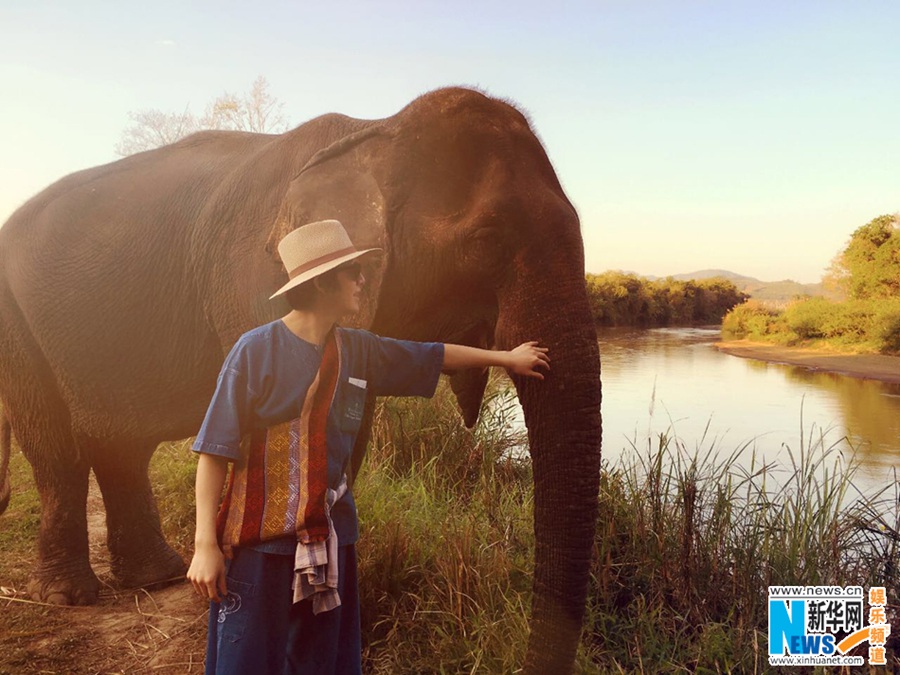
<point>866,366</point>
<point>128,631</point>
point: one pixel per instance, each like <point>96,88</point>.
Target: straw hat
<point>313,249</point>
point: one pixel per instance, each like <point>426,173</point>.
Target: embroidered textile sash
<point>280,487</point>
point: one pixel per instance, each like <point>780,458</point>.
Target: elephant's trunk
<point>562,414</point>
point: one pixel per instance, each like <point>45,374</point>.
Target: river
<point>674,381</point>
<point>669,380</point>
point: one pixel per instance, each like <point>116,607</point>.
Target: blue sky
<point>750,136</point>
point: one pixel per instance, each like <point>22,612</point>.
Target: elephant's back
<point>107,200</point>
<point>100,269</point>
<point>154,195</point>
<point>112,239</point>
<point>95,269</point>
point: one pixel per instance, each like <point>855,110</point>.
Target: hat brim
<point>321,269</point>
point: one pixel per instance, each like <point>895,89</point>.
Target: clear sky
<point>750,136</point>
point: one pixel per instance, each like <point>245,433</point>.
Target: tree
<point>257,111</point>
<point>869,267</point>
<point>621,299</point>
<point>153,129</point>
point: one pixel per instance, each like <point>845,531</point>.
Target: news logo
<point>818,625</point>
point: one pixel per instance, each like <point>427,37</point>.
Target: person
<point>277,558</point>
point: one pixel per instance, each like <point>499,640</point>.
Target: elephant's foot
<point>68,587</point>
<point>149,568</point>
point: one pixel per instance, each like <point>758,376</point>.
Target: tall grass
<point>689,542</point>
<point>446,548</point>
<point>686,546</point>
<point>173,470</point>
<point>19,524</point>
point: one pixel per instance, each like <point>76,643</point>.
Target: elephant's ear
<point>344,181</point>
<point>341,181</point>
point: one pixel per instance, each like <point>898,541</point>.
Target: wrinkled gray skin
<point>122,287</point>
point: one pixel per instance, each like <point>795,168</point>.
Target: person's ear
<point>326,283</point>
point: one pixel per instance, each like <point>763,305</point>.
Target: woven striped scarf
<point>280,487</point>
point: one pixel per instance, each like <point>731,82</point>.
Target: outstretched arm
<point>523,360</point>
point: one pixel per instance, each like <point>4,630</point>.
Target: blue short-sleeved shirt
<point>264,381</point>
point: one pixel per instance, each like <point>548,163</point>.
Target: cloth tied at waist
<point>316,563</point>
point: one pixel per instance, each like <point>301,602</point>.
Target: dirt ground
<point>128,631</point>
<point>867,366</point>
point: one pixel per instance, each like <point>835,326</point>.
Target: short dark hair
<point>303,297</point>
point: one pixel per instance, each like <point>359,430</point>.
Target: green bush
<point>859,325</point>
<point>751,320</point>
<point>886,327</point>
<point>868,271</point>
<point>806,318</point>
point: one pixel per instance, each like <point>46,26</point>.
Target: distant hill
<point>775,292</point>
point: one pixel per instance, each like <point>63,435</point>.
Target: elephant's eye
<point>486,246</point>
<point>487,233</point>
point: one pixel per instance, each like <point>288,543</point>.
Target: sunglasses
<point>353,269</point>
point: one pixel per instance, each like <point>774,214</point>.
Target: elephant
<point>123,287</point>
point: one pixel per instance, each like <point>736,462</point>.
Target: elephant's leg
<point>139,555</point>
<point>42,425</point>
<point>63,574</point>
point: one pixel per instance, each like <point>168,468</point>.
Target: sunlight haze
<point>747,136</point>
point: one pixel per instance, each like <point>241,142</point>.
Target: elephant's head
<point>482,248</point>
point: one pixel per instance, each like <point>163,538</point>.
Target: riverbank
<point>865,366</point>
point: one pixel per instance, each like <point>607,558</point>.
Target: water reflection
<point>869,410</point>
<point>674,381</point>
